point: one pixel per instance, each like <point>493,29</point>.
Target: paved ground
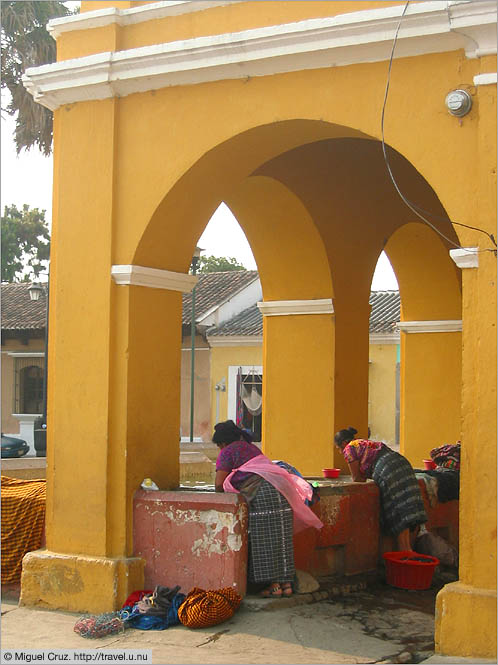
<point>377,624</point>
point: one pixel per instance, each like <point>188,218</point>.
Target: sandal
<point>286,589</point>
<point>273,591</point>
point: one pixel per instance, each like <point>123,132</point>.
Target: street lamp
<point>195,262</point>
<point>40,431</point>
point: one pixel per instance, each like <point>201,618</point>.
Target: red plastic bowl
<point>331,473</point>
<point>406,570</point>
<point>429,464</point>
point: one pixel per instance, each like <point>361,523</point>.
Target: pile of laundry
<point>162,608</point>
<point>442,485</point>
<point>443,482</point>
<point>23,523</point>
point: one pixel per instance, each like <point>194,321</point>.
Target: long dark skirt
<point>271,545</point>
<point>401,503</point>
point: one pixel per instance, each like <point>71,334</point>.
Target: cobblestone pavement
<point>361,621</point>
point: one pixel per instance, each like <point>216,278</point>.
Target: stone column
<point>101,459</point>
<point>466,609</point>
<point>430,386</point>
<point>298,361</point>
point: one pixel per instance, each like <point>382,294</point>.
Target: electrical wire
<point>413,207</point>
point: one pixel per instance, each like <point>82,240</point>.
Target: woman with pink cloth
<point>276,500</point>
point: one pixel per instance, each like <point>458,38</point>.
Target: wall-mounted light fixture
<point>458,102</point>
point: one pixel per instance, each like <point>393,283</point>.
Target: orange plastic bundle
<point>201,609</point>
<point>23,523</point>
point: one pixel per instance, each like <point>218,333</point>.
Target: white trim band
<point>124,17</point>
<point>292,307</point>
<point>384,338</point>
<point>129,275</point>
<point>450,325</point>
<point>486,79</point>
<point>353,38</point>
<point>25,354</point>
<point>467,257</point>
<point>235,340</point>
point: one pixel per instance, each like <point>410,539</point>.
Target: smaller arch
<point>286,244</point>
<point>429,282</point>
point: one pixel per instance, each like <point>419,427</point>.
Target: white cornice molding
<point>25,354</point>
<point>235,340</point>
<point>293,307</point>
<point>353,38</point>
<point>101,18</point>
<point>384,338</point>
<point>486,79</point>
<point>466,257</point>
<point>450,325</point>
<point>129,275</point>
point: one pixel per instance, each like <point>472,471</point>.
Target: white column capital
<point>448,325</point>
<point>129,275</point>
<point>485,79</point>
<point>293,307</point>
<point>466,257</point>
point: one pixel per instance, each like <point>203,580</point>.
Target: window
<point>28,385</point>
<point>250,403</point>
<point>245,389</point>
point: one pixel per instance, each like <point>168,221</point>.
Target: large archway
<point>316,216</point>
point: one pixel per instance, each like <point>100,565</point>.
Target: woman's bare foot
<point>273,591</point>
<point>286,589</point>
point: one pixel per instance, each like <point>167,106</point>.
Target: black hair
<point>228,432</point>
<point>345,436</point>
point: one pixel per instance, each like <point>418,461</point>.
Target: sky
<point>28,179</point>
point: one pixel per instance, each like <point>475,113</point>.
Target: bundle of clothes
<point>443,482</point>
<point>162,608</point>
<point>23,523</point>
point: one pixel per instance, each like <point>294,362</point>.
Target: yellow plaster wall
<point>80,328</point>
<point>382,392</point>
<point>430,290</point>
<point>221,359</point>
<point>430,391</point>
<point>208,21</point>
<point>298,390</point>
<point>202,394</point>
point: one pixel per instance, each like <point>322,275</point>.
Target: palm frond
<point>25,43</point>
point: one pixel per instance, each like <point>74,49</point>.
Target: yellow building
<point>162,111</point>
<point>23,361</point>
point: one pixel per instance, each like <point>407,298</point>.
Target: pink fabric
<point>294,488</point>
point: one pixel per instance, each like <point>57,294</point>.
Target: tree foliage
<point>26,43</point>
<point>218,264</point>
<point>25,243</point>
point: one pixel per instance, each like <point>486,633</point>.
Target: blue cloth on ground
<point>135,619</point>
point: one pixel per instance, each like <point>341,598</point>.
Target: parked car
<point>13,447</point>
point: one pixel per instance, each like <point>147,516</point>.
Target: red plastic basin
<point>331,473</point>
<point>409,570</point>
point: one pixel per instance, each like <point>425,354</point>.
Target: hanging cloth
<point>252,400</point>
<point>240,409</point>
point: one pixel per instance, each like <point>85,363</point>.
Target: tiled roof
<point>385,311</point>
<point>215,288</point>
<point>248,322</point>
<point>383,316</point>
<point>19,312</point>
